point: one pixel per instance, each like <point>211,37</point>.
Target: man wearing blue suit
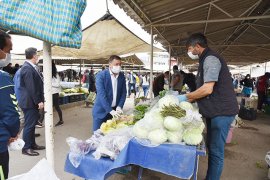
<point>111,93</point>
<point>31,100</point>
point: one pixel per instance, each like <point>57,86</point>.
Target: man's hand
<point>40,105</point>
<point>119,110</point>
<point>12,139</point>
<point>115,114</point>
<point>182,98</point>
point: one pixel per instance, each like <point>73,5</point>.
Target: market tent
<point>238,30</point>
<point>128,60</point>
<point>105,37</point>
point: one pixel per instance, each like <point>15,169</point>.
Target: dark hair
<point>54,70</point>
<point>182,72</point>
<point>167,73</point>
<point>114,57</point>
<point>197,38</point>
<point>248,75</point>
<point>30,52</point>
<point>17,65</point>
<point>3,39</point>
<point>175,67</point>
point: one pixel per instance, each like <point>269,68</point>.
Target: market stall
<point>162,135</point>
<point>173,155</point>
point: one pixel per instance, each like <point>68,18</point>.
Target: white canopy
<point>105,37</point>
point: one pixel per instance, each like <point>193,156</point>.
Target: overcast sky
<point>95,9</point>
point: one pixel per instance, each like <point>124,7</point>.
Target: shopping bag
<point>57,22</point>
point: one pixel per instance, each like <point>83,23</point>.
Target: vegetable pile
<point>170,121</point>
<point>114,124</point>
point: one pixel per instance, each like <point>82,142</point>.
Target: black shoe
<point>60,123</point>
<point>30,152</point>
<point>37,135</point>
<point>37,147</point>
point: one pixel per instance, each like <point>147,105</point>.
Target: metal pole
<point>170,65</point>
<point>80,74</point>
<point>265,67</point>
<point>250,69</point>
<point>151,65</point>
<point>47,70</point>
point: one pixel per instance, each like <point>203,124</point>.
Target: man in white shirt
<point>111,93</point>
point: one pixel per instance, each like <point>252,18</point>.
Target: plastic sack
<point>79,148</point>
<point>41,171</point>
<point>112,143</point>
<point>267,158</point>
<point>16,145</point>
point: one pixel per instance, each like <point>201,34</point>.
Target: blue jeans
<point>145,90</point>
<point>129,88</point>
<point>217,131</point>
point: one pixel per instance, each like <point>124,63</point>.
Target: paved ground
<point>244,158</point>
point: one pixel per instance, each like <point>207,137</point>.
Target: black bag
<point>247,113</point>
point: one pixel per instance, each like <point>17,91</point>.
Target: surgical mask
<point>192,56</point>
<point>116,69</point>
<point>6,61</point>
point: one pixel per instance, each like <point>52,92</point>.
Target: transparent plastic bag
<point>16,145</point>
<point>79,148</point>
<point>112,143</point>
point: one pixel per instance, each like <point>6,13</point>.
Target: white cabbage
<point>153,120</point>
<point>172,124</point>
<point>186,105</point>
<point>139,131</point>
<point>157,136</point>
<point>174,136</point>
<point>192,138</point>
<point>168,100</point>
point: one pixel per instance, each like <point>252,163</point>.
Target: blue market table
<point>172,159</point>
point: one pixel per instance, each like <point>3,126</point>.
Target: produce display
<point>171,121</point>
<point>76,90</point>
<point>140,111</point>
<point>114,124</point>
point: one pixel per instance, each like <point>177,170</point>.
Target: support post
<point>47,70</point>
<point>170,65</point>
<point>80,74</point>
<point>151,65</point>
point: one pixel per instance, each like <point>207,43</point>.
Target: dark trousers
<point>261,98</point>
<point>57,107</point>
<point>97,123</point>
<point>4,161</point>
<point>129,88</point>
<point>31,117</point>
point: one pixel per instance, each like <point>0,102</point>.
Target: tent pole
<point>151,65</point>
<point>170,65</point>
<point>80,73</point>
<point>47,70</point>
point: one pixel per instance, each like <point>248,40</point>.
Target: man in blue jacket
<point>31,100</point>
<point>111,93</point>
<point>9,116</point>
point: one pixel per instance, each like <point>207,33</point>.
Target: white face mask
<point>192,56</point>
<point>116,69</point>
<point>6,61</point>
